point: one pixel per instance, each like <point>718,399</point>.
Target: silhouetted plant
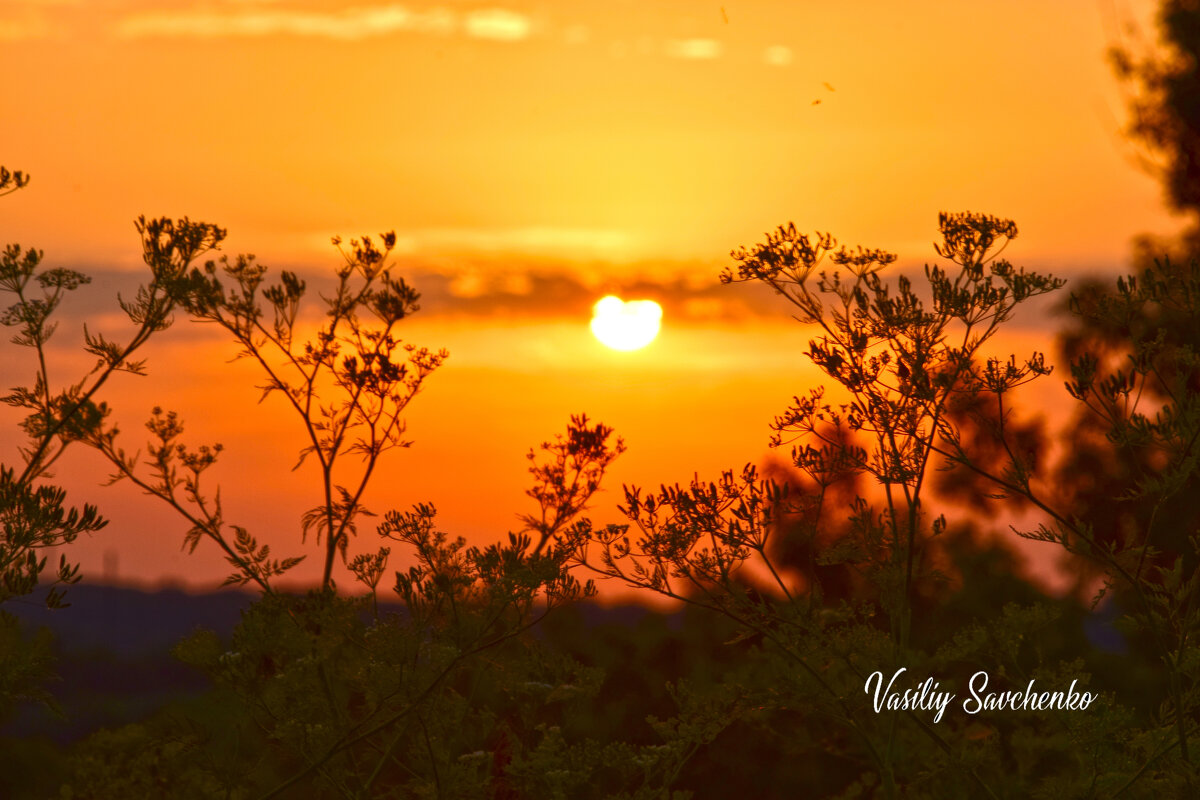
<point>1150,410</point>
<point>901,365</point>
<point>349,384</point>
<point>448,698</point>
<point>11,181</point>
<point>336,697</point>
<point>454,697</point>
<point>1163,99</point>
<point>176,474</point>
<point>907,365</point>
<point>34,516</point>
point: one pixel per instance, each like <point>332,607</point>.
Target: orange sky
<point>516,148</point>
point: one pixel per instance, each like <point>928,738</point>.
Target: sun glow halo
<point>625,325</point>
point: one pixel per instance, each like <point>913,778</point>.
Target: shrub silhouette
<point>913,372</point>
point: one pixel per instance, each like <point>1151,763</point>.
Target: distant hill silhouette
<point>114,645</point>
<point>114,660</point>
<point>132,623</point>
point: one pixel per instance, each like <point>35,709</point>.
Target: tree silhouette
<point>1163,94</point>
<point>1143,331</point>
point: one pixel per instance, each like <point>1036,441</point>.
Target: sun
<point>625,325</point>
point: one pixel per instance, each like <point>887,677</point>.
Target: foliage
<point>450,697</point>
<point>12,180</point>
<point>905,362</point>
<point>801,582</point>
<point>812,578</point>
<point>315,684</point>
<point>1149,409</point>
<point>33,514</point>
<point>25,663</point>
<point>1163,96</point>
<point>902,366</point>
<point>354,359</point>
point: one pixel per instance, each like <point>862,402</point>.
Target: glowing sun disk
<point>625,325</point>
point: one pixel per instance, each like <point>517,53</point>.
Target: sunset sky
<point>533,157</point>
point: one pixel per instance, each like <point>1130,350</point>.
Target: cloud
<point>352,24</point>
<point>253,19</point>
<point>694,48</point>
<point>777,55</point>
<point>498,24</point>
<point>469,283</point>
<point>501,289</point>
<point>478,281</point>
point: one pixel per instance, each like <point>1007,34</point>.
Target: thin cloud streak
<point>699,49</point>
<point>495,24</point>
<point>465,289</point>
<point>354,24</point>
<point>498,24</point>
